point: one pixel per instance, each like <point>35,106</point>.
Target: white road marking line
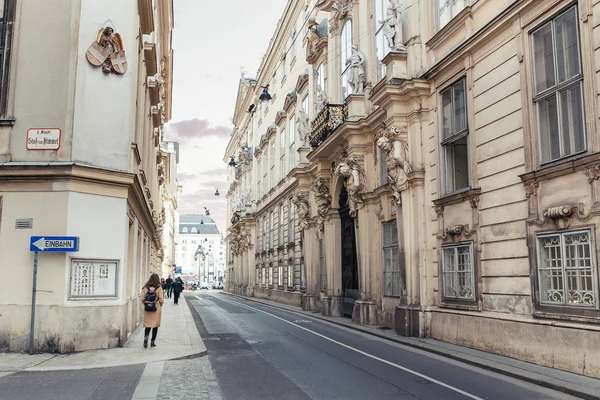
<point>410,371</point>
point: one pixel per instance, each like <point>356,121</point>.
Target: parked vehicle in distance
<point>204,285</point>
<point>217,285</point>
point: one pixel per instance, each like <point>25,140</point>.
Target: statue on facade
<point>356,70</point>
<point>397,161</point>
<point>303,126</point>
<point>323,201</point>
<point>392,26</point>
<point>321,98</point>
<point>342,8</point>
<point>302,210</point>
<point>350,169</point>
<point>107,51</point>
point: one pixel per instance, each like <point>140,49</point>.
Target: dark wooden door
<point>349,261</point>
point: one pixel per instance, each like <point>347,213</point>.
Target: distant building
<point>200,247</point>
<point>170,196</point>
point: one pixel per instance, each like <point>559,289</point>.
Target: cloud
<point>194,129</point>
<point>216,172</point>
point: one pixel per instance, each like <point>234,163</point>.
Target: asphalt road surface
<point>262,352</point>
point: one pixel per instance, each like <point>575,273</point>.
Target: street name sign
<point>43,139</point>
<point>57,244</point>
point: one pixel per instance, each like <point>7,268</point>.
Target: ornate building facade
<point>448,186</point>
<point>80,157</point>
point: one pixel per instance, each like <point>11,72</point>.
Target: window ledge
<point>7,121</point>
<point>568,317</point>
<point>561,168</point>
<point>468,305</point>
<point>290,244</point>
<point>458,197</point>
<point>452,26</point>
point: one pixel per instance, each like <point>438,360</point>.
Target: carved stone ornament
<point>560,216</point>
<point>439,210</point>
<point>323,201</point>
<point>355,179</point>
<point>457,232</point>
<point>234,244</point>
<point>244,155</point>
<point>454,230</point>
<point>396,149</point>
<point>392,26</point>
<point>474,201</point>
<point>107,52</point>
<point>593,173</point>
<point>302,205</point>
<point>379,211</point>
<point>531,189</point>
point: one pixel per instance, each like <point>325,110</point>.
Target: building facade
<point>171,191</point>
<point>200,248</point>
<point>80,157</point>
<point>448,186</point>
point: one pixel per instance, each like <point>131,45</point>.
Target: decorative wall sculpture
<point>107,51</point>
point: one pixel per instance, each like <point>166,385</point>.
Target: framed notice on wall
<point>93,278</point>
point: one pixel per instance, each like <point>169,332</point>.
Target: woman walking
<point>152,299</point>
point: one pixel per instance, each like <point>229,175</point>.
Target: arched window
<point>320,89</point>
<point>346,53</point>
<point>194,230</point>
<point>184,230</point>
<point>381,44</point>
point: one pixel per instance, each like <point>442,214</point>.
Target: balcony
<point>328,119</point>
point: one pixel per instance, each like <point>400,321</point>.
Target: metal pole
<point>31,328</point>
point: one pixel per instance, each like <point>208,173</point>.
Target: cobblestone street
<point>188,379</point>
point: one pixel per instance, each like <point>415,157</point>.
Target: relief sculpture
<point>398,165</point>
<point>354,175</point>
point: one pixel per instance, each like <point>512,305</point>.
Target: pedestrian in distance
<point>152,299</point>
<point>177,287</point>
<point>169,282</point>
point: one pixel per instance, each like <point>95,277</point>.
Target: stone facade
<point>454,193</point>
<point>102,182</point>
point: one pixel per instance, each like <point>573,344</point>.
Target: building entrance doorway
<point>350,291</point>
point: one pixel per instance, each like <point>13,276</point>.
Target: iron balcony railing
<point>328,119</point>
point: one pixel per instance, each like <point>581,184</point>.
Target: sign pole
<point>31,328</point>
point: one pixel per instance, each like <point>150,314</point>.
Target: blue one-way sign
<point>58,244</point>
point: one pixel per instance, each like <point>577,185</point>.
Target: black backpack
<point>150,300</point>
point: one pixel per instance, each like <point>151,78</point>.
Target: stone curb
<point>534,378</point>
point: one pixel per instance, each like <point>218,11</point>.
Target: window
<point>322,269</point>
<point>270,276</point>
<point>184,248</point>
<point>259,235</point>
<point>184,230</point>
<point>273,229</point>
<point>257,276</point>
<point>346,52</point>
<point>291,222</point>
<point>293,45</point>
<point>567,269</point>
<point>454,136</point>
<point>558,82</point>
<point>7,8</point>
<point>194,230</point>
<point>458,274</point>
<point>272,172</point>
<point>290,275</point>
<point>320,87</point>
<point>391,260</point>
<point>448,9</point>
<point>263,276</point>
<point>292,151</point>
<point>282,154</point>
<point>383,169</point>
<point>280,275</point>
<point>305,105</point>
<point>280,226</point>
<point>381,44</point>
<point>265,169</point>
<point>259,165</point>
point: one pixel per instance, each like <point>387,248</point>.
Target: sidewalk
<point>177,338</point>
<point>567,382</point>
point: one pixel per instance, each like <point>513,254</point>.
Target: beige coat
<point>152,318</point>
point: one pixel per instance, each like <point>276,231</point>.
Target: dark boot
<point>145,342</point>
<point>152,344</point>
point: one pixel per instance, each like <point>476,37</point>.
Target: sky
<point>212,44</point>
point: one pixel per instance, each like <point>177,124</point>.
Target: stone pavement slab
<point>563,381</point>
<point>177,338</point>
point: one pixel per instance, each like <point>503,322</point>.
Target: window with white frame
<point>567,269</point>
<point>265,171</point>
<point>265,272</point>
<point>558,87</point>
<point>280,275</point>
<point>273,229</point>
<point>293,46</point>
<point>257,276</point>
<point>382,47</point>
<point>345,54</point>
<point>454,137</point>
<point>458,271</point>
<point>291,222</point>
<point>266,232</point>
<point>290,275</point>
<point>259,229</point>
<point>282,154</point>
<point>447,10</point>
<point>392,282</point>
<point>320,86</point>
<point>272,173</point>
<point>270,276</point>
<point>305,105</point>
<point>292,129</point>
<point>259,169</point>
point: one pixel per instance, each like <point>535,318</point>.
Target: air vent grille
<point>24,223</point>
